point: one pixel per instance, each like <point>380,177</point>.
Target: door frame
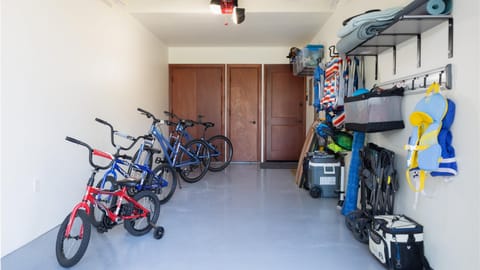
<point>259,103</point>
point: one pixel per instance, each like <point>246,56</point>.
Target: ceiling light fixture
<point>228,7</point>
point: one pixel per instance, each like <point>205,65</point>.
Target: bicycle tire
<point>224,146</point>
<point>84,231</point>
<point>193,173</point>
<point>162,175</point>
<point>141,226</point>
<point>96,214</point>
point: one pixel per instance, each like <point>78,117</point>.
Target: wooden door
<point>198,90</point>
<point>285,113</point>
<point>243,106</point>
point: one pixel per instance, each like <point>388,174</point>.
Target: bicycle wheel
<point>194,171</point>
<point>221,154</point>
<point>71,248</point>
<point>97,214</point>
<point>141,226</point>
<point>164,180</point>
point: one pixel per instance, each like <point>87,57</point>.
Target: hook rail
<point>442,76</point>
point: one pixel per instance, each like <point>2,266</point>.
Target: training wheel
<point>315,192</point>
<point>158,232</point>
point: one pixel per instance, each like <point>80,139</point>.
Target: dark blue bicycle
<point>220,147</point>
<point>191,159</point>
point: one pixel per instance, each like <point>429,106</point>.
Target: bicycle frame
<point>185,134</point>
<point>174,150</point>
<point>213,150</point>
<point>90,199</point>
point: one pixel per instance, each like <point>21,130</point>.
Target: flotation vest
<point>424,150</point>
<point>448,164</point>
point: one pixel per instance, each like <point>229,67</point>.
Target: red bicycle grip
<point>99,153</point>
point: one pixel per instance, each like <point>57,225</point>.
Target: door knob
<point>253,122</point>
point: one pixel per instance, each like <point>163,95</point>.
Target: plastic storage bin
<point>312,55</point>
<point>307,60</point>
<point>324,173</point>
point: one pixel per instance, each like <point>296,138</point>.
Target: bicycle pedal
<point>101,229</point>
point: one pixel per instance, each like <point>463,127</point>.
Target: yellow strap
<point>415,147</point>
<point>435,87</point>
<point>422,181</point>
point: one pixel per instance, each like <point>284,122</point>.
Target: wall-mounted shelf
<point>403,28</point>
<point>306,71</point>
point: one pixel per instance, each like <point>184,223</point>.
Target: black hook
<point>425,81</point>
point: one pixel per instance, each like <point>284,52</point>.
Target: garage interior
<point>64,63</point>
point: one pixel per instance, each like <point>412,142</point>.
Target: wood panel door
<point>285,113</point>
<point>243,106</point>
<point>198,90</point>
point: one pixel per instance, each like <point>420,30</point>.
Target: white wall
<point>228,55</point>
<point>1,73</point>
<point>450,212</point>
<point>63,64</point>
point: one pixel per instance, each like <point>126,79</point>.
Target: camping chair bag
<point>375,111</point>
<point>397,242</point>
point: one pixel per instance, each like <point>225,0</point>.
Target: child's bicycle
<point>139,213</point>
<point>161,179</point>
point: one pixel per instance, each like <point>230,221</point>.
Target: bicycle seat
<point>187,123</point>
<point>153,150</point>
<point>128,182</point>
<point>208,124</point>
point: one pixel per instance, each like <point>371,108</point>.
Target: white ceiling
<point>189,23</point>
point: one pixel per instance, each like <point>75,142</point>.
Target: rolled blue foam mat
<point>436,7</point>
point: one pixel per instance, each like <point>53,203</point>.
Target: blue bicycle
<point>220,147</point>
<point>191,159</point>
<point>162,179</point>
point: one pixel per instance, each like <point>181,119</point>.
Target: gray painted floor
<point>242,218</point>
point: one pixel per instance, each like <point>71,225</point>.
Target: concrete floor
<point>241,218</point>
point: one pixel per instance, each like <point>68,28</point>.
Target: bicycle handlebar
<point>189,122</point>
<point>103,122</point>
<point>149,115</point>
<point>120,134</point>
<point>92,152</point>
<point>124,135</point>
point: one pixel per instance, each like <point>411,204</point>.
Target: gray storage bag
<point>375,111</point>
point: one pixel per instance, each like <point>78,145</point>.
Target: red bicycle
<point>139,213</point>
